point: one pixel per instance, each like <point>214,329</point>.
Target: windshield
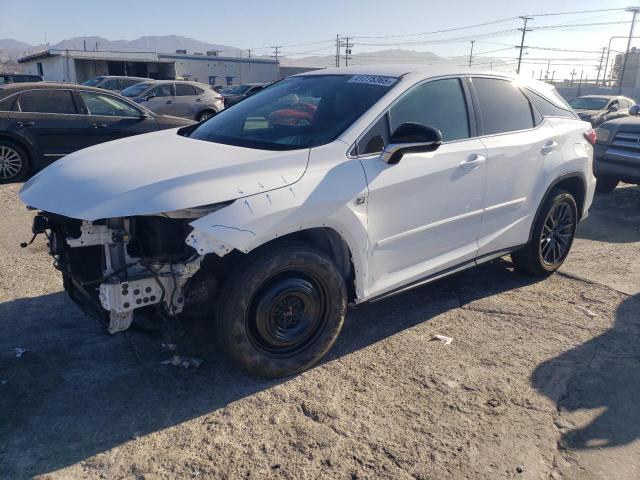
<point>91,82</point>
<point>588,103</point>
<point>237,90</point>
<point>135,90</point>
<point>298,112</point>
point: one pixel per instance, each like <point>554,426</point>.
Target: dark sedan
<point>617,152</point>
<point>233,95</point>
<point>41,122</point>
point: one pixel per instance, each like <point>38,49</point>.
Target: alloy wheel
<point>557,233</point>
<point>10,163</point>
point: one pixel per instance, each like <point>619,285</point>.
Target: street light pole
<point>635,11</point>
<point>471,53</point>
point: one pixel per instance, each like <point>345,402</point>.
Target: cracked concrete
<point>531,387</point>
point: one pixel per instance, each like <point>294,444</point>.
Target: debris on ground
<point>19,351</point>
<point>586,311</point>
<point>442,339</point>
<point>183,361</point>
<point>494,402</point>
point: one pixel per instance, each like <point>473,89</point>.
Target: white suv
<point>324,189</point>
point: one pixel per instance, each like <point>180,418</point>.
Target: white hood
<point>157,172</point>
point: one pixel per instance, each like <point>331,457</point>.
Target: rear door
<point>111,118</point>
<point>50,121</point>
<point>186,100</point>
<point>163,99</point>
<point>519,143</point>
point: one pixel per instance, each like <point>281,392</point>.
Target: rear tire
<point>205,115</point>
<point>14,162</point>
<point>551,237</point>
<point>281,310</point>
<point>606,184</point>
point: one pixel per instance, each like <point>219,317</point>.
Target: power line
<point>575,12</point>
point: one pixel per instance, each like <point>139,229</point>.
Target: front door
<point>162,100</point>
<point>424,213</point>
<point>110,118</point>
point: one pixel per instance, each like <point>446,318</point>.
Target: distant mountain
<point>162,44</point>
<point>11,50</point>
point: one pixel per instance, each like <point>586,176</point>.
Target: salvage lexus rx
<point>399,176</point>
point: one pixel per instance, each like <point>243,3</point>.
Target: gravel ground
<point>541,380</point>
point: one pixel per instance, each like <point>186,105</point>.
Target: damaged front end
<point>118,266</point>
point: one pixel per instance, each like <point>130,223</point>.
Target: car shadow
<point>601,373</point>
<point>77,392</point>
<point>614,217</point>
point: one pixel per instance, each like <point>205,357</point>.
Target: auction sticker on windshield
<point>373,80</point>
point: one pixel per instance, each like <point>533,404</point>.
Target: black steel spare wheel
<point>287,313</point>
<point>281,310</point>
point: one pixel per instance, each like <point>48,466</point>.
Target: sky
<point>255,24</point>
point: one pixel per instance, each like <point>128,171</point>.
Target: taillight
<point>590,135</point>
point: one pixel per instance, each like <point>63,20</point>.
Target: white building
<point>79,65</point>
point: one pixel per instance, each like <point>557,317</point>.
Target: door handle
<point>98,125</point>
<point>473,161</point>
<point>549,146</point>
<point>25,124</point>
<point>198,99</point>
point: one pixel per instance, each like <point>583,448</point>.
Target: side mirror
<point>634,110</point>
<point>411,138</point>
<point>149,96</point>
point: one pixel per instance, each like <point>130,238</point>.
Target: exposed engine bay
<point>118,266</point>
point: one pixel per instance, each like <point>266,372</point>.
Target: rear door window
<point>184,90</point>
<point>503,106</point>
<point>162,91</point>
<point>47,101</point>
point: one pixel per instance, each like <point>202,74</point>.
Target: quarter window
<point>6,104</point>
<point>47,101</point>
<point>546,108</point>
<point>375,139</point>
<point>503,107</point>
<point>106,105</point>
<point>439,104</point>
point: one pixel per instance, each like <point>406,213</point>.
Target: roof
<point>600,96</point>
<point>399,70</point>
<point>11,88</point>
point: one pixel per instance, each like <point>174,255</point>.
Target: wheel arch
<point>575,184</point>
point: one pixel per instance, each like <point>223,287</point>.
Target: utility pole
<point>471,53</point>
<point>276,52</point>
<point>337,50</point>
<point>347,50</point>
<point>249,52</point>
<point>573,74</point>
<point>600,66</point>
<point>635,11</point>
<point>524,31</point>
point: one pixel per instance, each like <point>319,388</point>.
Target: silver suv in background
<point>598,109</point>
<point>191,100</point>
<point>113,82</point>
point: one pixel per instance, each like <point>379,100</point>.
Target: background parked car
<point>112,82</point>
<point>192,100</point>
<point>235,94</point>
<point>617,152</point>
<point>19,78</point>
<point>598,109</point>
<point>41,122</point>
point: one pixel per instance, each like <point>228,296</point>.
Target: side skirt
<point>445,273</point>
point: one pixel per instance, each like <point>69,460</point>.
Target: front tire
<point>606,184</point>
<point>551,237</point>
<point>281,310</point>
<point>14,162</point>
